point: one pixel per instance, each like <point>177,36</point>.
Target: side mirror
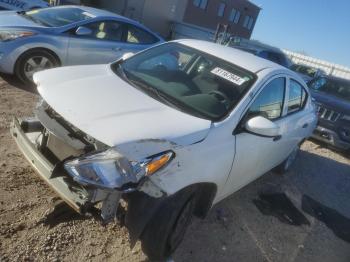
<point>127,55</point>
<point>262,126</point>
<point>81,30</point>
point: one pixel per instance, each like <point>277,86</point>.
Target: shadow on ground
<point>338,223</point>
<point>236,230</point>
<point>59,213</point>
<point>12,80</point>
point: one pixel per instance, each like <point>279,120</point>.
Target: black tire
<point>285,166</point>
<point>22,63</point>
<point>167,227</point>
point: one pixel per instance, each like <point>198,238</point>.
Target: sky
<point>319,28</point>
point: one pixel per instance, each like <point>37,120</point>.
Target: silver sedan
<point>68,35</point>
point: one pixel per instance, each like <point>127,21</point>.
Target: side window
<point>139,36</point>
<point>297,97</point>
<point>111,31</point>
<point>269,102</point>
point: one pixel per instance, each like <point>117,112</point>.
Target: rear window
<point>309,71</point>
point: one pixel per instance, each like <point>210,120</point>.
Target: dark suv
<point>332,98</point>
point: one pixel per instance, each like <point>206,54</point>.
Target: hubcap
<point>36,64</point>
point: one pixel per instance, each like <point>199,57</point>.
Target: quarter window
<point>221,10</point>
<point>269,103</point>
<point>234,16</point>
<point>297,97</point>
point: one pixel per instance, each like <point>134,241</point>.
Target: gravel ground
<point>235,229</point>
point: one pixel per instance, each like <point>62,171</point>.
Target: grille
<point>327,114</point>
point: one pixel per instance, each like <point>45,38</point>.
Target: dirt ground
<point>235,229</point>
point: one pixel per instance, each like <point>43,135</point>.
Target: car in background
<point>169,139</point>
<point>66,35</point>
<point>22,5</point>
<point>273,54</point>
<point>332,98</point>
<point>307,72</point>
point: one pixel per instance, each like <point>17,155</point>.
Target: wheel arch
<point>37,49</point>
<point>205,195</point>
<point>142,207</point>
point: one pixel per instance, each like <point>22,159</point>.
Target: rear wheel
<point>167,228</point>
<point>285,166</point>
<point>32,62</point>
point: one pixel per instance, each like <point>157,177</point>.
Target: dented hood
<point>98,102</point>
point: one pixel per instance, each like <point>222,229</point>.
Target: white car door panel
<point>257,154</point>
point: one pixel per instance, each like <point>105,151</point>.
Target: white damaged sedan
<point>167,132</point>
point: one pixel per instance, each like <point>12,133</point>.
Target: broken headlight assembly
<point>111,170</point>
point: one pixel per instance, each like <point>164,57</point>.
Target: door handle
<point>276,138</point>
<point>305,125</point>
<point>117,49</point>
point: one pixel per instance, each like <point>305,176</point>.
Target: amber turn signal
<point>157,163</point>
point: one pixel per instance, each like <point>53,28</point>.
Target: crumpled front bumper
<point>77,200</point>
<point>75,195</point>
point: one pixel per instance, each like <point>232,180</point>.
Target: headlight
<point>110,169</point>
<point>12,35</point>
<point>346,117</point>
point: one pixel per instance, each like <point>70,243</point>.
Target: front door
<point>105,44</point>
<point>255,155</point>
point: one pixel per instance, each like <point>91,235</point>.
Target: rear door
<point>105,44</point>
<point>138,39</point>
<point>300,122</point>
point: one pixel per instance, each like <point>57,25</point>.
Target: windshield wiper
<point>166,99</point>
<point>152,90</point>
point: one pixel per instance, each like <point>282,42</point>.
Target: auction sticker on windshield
<point>228,76</point>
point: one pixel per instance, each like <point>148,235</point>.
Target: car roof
<point>241,58</point>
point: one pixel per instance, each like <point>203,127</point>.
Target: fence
<point>329,68</point>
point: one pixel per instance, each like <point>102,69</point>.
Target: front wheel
<point>167,228</point>
<point>32,62</point>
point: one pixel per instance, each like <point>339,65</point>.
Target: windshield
<point>55,17</point>
<point>189,80</point>
<point>339,88</point>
